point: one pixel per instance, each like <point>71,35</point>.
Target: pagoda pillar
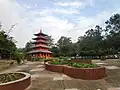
<point>46,55</point>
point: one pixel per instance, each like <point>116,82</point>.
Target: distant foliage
<point>95,43</point>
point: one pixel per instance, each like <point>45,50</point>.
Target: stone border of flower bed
<point>20,84</point>
<point>85,73</point>
<point>54,68</point>
<point>80,73</point>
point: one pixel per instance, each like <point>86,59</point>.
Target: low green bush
<point>18,56</point>
<point>82,65</point>
<point>59,62</point>
<point>8,77</point>
<point>77,65</point>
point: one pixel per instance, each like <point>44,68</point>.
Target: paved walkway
<point>46,80</point>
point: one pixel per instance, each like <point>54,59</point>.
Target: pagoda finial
<point>40,31</point>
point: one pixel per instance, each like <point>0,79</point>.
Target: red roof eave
<point>40,46</point>
<point>37,51</point>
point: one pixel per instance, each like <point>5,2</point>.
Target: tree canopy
<point>96,41</point>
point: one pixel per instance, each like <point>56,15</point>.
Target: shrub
<point>18,56</point>
<point>59,62</point>
<point>73,64</point>
<point>4,78</point>
<point>82,65</point>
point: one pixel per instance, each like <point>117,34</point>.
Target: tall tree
<point>91,43</point>
<point>64,45</point>
<point>113,32</point>
<point>7,45</point>
<point>28,46</point>
<point>50,41</point>
<point>55,51</point>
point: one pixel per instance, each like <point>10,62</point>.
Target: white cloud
<point>63,11</point>
<point>53,26</point>
<point>28,23</point>
<point>8,16</point>
<point>27,6</point>
<point>76,4</point>
<point>32,21</point>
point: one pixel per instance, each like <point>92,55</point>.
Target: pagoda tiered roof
<point>37,51</point>
<point>40,33</point>
<point>40,41</point>
<point>39,37</point>
<point>36,46</point>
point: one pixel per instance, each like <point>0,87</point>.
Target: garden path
<point>46,80</point>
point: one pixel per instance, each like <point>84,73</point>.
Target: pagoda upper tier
<point>39,37</point>
<point>39,41</point>
<point>40,34</point>
<point>36,46</point>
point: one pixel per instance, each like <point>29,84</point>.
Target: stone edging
<point>80,73</point>
<point>20,84</point>
<point>54,68</point>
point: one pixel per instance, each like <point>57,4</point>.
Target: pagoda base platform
<point>42,55</point>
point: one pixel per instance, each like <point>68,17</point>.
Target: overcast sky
<point>55,17</point>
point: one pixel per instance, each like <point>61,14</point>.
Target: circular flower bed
<point>77,70</point>
<point>85,73</point>
<point>14,81</point>
<point>56,66</point>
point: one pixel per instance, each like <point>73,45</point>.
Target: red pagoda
<point>40,47</point>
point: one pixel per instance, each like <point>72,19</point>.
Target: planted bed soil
<point>8,77</point>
